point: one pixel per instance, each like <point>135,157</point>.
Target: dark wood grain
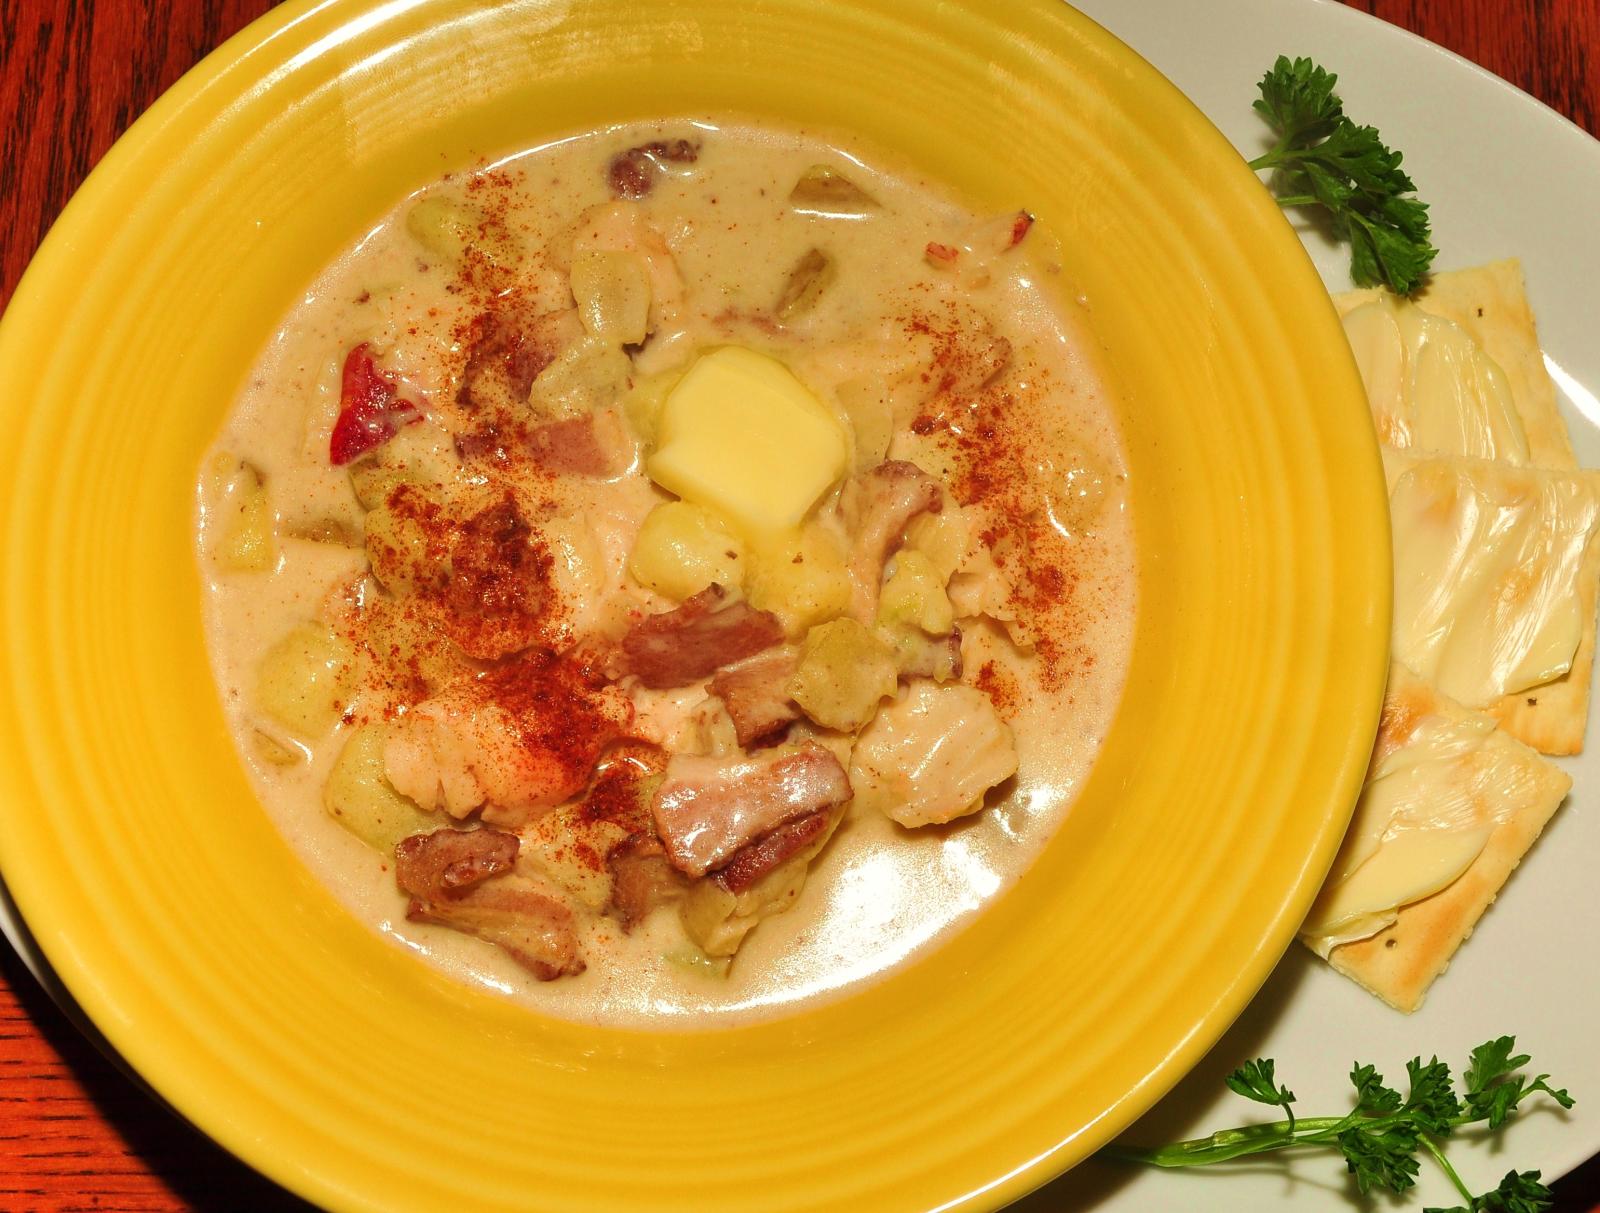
<point>1544,47</point>
<point>75,1133</point>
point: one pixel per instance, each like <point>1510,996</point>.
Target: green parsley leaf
<point>1255,1080</point>
<point>1372,1095</point>
<point>1381,1160</point>
<point>1382,1137</point>
<point>1492,1061</point>
<point>1432,1104</point>
<point>1517,1193</point>
<point>1494,1089</point>
<point>1323,159</point>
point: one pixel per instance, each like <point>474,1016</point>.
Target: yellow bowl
<point>339,1064</point>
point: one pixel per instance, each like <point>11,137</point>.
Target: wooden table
<point>75,1134</point>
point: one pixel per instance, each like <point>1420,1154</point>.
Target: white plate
<point>1504,177</point>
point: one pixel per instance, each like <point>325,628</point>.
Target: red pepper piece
<point>371,409</point>
<point>1019,228</point>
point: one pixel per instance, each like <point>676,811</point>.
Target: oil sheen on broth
<point>933,353</point>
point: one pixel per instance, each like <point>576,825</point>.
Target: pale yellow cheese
<point>1451,805</point>
<point>1486,558</point>
<point>1431,385</point>
<point>1428,808</point>
<point>741,434</point>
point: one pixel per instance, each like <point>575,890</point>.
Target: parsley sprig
<point>1384,1135</point>
<point>1323,159</point>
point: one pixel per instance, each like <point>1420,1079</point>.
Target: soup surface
<point>675,573</point>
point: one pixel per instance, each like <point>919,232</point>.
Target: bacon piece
<point>708,809</point>
<point>677,647</point>
<point>632,173</point>
<point>570,447</point>
<point>762,856</point>
<point>879,504</point>
<point>641,880</point>
<point>940,256</point>
<point>592,445</point>
<point>595,444</point>
<point>518,740</point>
<point>756,693</point>
<point>371,409</point>
<point>447,862</point>
<point>463,879</point>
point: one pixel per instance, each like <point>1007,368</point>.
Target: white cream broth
<point>1039,448</point>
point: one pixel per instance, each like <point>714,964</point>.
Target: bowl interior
<point>345,1068</point>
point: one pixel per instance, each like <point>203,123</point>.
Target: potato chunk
<point>401,542</point>
<point>642,405</point>
<point>931,755</point>
<point>718,919</point>
<point>808,281</point>
<point>914,596</point>
<point>588,375</point>
<point>612,290</point>
<point>844,673</point>
<point>418,454</point>
<point>802,580</point>
<point>450,230</point>
<point>361,799</point>
<point>569,850</point>
<point>866,402</point>
<point>242,507</point>
<point>305,680</point>
<point>682,548</point>
<point>825,191</point>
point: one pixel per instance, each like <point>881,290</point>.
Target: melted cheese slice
<point>1486,559</point>
<point>1431,385</point>
<point>1425,814</point>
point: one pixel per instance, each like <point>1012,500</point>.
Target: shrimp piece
<point>932,755</point>
<point>516,741</point>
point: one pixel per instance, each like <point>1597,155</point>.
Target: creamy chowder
<point>675,573</point>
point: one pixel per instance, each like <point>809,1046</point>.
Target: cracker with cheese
<point>1457,370</point>
<point>1497,571</point>
<point>1450,806</point>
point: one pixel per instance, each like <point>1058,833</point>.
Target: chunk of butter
<point>1431,386</point>
<point>741,434</point>
<point>1427,810</point>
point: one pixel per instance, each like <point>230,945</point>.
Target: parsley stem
<point>1438,1157</point>
<point>1273,1135</point>
<point>1233,1143</point>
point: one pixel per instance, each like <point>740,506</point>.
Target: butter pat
<point>741,434</point>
